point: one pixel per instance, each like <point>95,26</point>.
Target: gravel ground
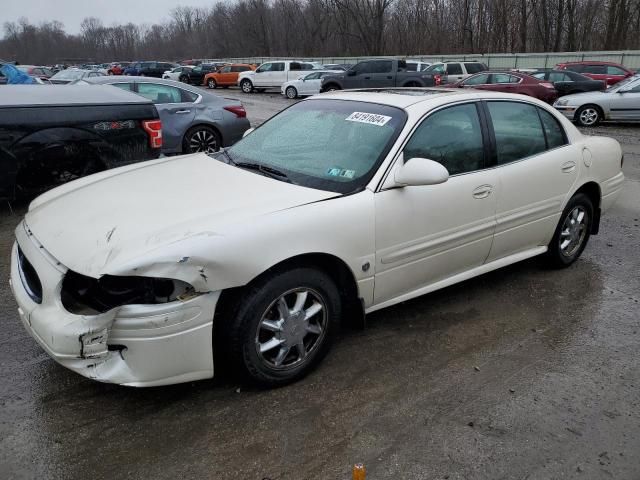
<point>523,373</point>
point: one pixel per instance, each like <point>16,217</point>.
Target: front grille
<point>29,278</point>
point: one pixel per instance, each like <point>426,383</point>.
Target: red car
<point>510,82</point>
<point>608,71</point>
<point>117,68</point>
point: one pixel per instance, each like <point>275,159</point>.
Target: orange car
<point>227,75</point>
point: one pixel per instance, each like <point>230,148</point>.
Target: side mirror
<point>247,132</point>
<point>351,73</point>
<point>420,171</point>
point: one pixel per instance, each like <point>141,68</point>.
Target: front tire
<point>588,116</point>
<point>246,86</point>
<point>291,92</point>
<point>212,83</point>
<point>283,326</point>
<point>201,139</point>
<point>572,233</point>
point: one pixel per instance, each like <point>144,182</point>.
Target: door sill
<point>460,277</point>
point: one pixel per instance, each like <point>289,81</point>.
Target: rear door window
<point>596,69</point>
<point>611,70</point>
<point>160,93</point>
<point>517,129</point>
<point>503,78</point>
<point>474,67</point>
<point>454,69</point>
<point>481,79</point>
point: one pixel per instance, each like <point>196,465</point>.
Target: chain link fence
<point>628,58</point>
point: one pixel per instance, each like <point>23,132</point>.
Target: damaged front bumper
<point>135,345</point>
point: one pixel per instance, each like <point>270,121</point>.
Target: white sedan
<point>620,102</point>
<point>340,205</point>
<point>175,73</point>
<point>306,85</point>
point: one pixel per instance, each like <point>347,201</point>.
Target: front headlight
<point>562,102</point>
<point>86,295</point>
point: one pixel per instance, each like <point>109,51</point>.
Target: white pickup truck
<point>274,74</point>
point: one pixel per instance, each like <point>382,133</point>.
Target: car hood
<point>581,98</point>
<point>95,226</point>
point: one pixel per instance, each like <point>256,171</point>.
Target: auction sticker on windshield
<point>370,118</point>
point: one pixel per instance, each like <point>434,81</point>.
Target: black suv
<point>195,76</point>
<point>50,135</point>
<point>149,69</point>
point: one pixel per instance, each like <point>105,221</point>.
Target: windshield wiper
<point>267,171</point>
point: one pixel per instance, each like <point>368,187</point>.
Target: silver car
<point>620,102</point>
<point>193,120</point>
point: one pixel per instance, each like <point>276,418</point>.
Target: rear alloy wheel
<point>184,79</point>
<point>291,92</point>
<point>283,326</point>
<point>246,86</point>
<point>573,231</point>
<point>588,116</point>
<point>211,83</point>
<point>201,139</point>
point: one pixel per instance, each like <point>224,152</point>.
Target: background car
<point>69,75</point>
<point>338,67</point>
<point>452,72</point>
<point>67,133</point>
<point>417,65</point>
<point>44,73</point>
<point>510,82</point>
<point>567,82</point>
<point>308,84</point>
<point>193,120</point>
<point>176,73</point>
<point>610,72</point>
<point>149,69</point>
<point>226,76</point>
<point>195,76</point>
<point>117,68</point>
<point>620,103</point>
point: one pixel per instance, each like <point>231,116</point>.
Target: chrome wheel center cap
<point>293,328</point>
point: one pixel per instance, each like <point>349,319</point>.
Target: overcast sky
<point>72,12</point>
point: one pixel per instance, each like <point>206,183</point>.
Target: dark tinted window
<point>277,67</point>
<point>559,77</point>
<point>225,69</point>
<point>552,129</point>
<point>295,66</point>
<point>454,69</point>
<point>518,130</point>
<point>576,68</point>
<point>474,67</point>
<point>595,69</point>
<point>412,67</point>
<point>239,69</point>
<point>381,66</point>
<point>452,137</point>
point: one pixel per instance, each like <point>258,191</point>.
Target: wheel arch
<point>592,190</point>
<point>333,266</point>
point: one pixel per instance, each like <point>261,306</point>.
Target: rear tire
<point>246,86</point>
<point>184,79</point>
<point>282,326</point>
<point>291,92</point>
<point>201,138</point>
<point>572,233</point>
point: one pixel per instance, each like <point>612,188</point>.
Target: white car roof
<point>424,97</point>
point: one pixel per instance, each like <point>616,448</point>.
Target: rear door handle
<point>483,191</point>
<point>367,78</point>
<point>568,167</point>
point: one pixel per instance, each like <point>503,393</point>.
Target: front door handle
<point>568,167</point>
<point>483,191</point>
<point>183,111</point>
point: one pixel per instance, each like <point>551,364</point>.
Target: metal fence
<point>629,58</point>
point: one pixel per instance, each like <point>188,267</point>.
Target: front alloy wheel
<point>212,83</point>
<point>281,326</point>
<point>246,86</point>
<point>588,116</point>
<point>291,92</point>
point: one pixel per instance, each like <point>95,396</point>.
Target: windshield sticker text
<point>370,118</point>
<point>339,172</point>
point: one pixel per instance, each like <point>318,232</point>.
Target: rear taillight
<point>437,79</point>
<point>547,84</point>
<point>154,129</point>
<point>237,110</point>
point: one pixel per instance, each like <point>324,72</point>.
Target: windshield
<point>68,75</point>
<point>623,83</point>
<point>333,145</point>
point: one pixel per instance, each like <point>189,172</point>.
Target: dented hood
<point>95,224</point>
